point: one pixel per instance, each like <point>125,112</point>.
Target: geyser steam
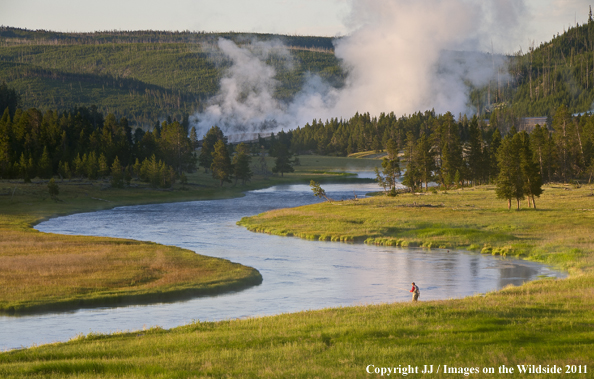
<point>402,56</point>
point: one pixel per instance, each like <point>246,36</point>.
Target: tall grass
<point>44,272</point>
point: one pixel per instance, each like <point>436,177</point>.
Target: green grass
<point>559,232</point>
<point>73,272</point>
<point>544,322</point>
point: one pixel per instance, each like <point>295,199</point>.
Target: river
<point>297,274</point>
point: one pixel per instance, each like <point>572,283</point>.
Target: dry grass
<point>42,272</point>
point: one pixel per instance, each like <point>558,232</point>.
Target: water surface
<point>297,274</point>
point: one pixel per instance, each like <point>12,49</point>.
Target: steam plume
<point>402,56</point>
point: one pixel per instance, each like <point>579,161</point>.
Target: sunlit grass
<point>543,322</point>
<point>43,272</point>
<point>559,231</point>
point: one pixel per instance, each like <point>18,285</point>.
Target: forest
<point>144,76</point>
<point>79,103</point>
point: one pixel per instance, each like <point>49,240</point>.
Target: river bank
<point>544,322</point>
<point>73,272</point>
<point>558,232</point>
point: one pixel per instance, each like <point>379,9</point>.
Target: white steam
<point>402,56</point>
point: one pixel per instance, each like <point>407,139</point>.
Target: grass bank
<point>548,322</point>
<point>559,232</point>
<point>44,272</point>
<point>545,322</point>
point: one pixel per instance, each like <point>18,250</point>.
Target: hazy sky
<point>542,19</point>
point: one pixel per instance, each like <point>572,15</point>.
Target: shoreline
<point>27,219</point>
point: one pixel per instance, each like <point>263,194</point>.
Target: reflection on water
<point>298,274</point>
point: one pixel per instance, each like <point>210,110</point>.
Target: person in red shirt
<point>415,291</point>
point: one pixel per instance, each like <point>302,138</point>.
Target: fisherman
<point>415,291</point>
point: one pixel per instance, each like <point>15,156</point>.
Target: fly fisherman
<point>415,291</point>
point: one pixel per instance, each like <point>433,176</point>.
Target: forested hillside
<point>143,76</point>
<point>559,72</point>
<point>149,75</point>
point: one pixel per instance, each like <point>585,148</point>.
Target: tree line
<point>83,143</point>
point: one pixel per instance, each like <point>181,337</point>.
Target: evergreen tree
<point>283,162</point>
<point>221,163</point>
<point>530,169</point>
<point>564,141</point>
<point>241,164</point>
<point>493,149</point>
<point>474,154</point>
<point>193,138</point>
<point>26,168</point>
<point>44,167</point>
<point>92,166</point>
<point>5,145</point>
<point>117,174</point>
<point>104,166</point>
<point>213,135</point>
<point>425,160</point>
<point>510,181</point>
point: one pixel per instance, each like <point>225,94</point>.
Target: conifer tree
<point>221,163</point>
<point>283,162</point>
<point>104,166</point>
<point>493,149</point>
<point>425,160</point>
<point>26,168</point>
<point>510,181</point>
<point>117,174</point>
<point>210,139</point>
<point>530,169</point>
<point>241,164</point>
<point>44,167</point>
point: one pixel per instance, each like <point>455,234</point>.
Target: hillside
<point>143,76</point>
<point>558,72</point>
<point>148,75</point>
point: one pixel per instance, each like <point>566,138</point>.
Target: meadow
<point>558,232</point>
<point>45,272</point>
<point>545,322</point>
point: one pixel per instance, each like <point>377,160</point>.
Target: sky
<point>540,20</point>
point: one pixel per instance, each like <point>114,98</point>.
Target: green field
<point>546,322</point>
<point>559,232</point>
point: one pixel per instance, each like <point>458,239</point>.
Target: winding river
<point>297,274</point>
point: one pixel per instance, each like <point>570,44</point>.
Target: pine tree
<point>510,181</point>
<point>104,166</point>
<point>530,169</point>
<point>425,160</point>
<point>92,166</point>
<point>210,139</point>
<point>221,163</point>
<point>44,167</point>
<point>26,168</point>
<point>193,138</point>
<point>493,149</point>
<point>474,154</point>
<point>117,175</point>
<point>283,162</point>
<point>241,164</point>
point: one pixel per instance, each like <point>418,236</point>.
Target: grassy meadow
<point>545,322</point>
<point>559,232</point>
<point>45,272</point>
